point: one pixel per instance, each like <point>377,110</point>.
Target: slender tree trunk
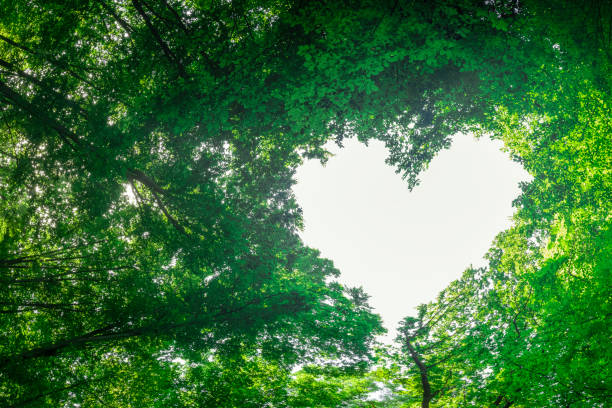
<point>427,394</point>
<point>19,101</point>
<point>113,332</point>
<point>154,188</point>
<point>176,16</point>
<point>49,60</point>
<point>169,54</point>
<point>500,399</point>
<point>128,29</point>
<point>46,87</point>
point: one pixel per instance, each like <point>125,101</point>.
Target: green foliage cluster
<point>533,328</point>
<point>149,253</point>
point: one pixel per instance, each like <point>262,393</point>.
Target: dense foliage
<point>148,234</point>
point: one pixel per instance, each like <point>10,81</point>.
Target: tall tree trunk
<point>427,394</point>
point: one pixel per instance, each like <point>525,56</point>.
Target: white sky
<point>404,247</point>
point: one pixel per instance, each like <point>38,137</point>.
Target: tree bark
<point>128,29</point>
<point>108,333</point>
<point>169,54</point>
<point>71,139</point>
<point>46,87</point>
<point>178,18</point>
<point>427,394</point>
<point>154,188</point>
<point>50,60</point>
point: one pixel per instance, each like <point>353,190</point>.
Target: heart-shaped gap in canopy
<point>405,246</point>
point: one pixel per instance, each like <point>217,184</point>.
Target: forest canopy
<point>149,248</point>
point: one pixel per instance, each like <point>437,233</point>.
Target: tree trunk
<point>427,394</point>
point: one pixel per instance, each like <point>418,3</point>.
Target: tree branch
<point>128,29</point>
<point>155,190</point>
<point>44,86</point>
<point>71,139</point>
<point>158,39</point>
<point>52,61</point>
<point>178,18</point>
<point>105,334</point>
